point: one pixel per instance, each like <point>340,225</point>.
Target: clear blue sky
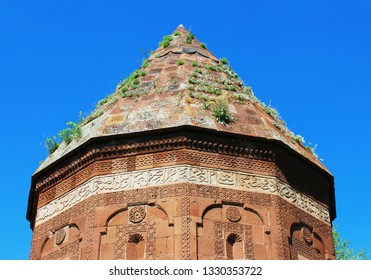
<point>309,59</point>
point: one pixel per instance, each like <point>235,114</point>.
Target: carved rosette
<point>60,236</point>
<point>233,214</point>
<point>307,235</point>
<point>137,214</point>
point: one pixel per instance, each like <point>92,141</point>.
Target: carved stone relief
<point>137,214</point>
<point>123,233</point>
<point>59,236</point>
<point>233,214</point>
<point>307,235</point>
<point>181,174</point>
<point>221,233</point>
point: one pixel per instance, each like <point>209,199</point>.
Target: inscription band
<point>181,174</point>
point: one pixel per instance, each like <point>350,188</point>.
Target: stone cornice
<point>250,150</point>
<point>153,160</point>
<point>193,138</point>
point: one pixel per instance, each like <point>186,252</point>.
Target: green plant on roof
<point>215,91</point>
<point>221,112</point>
<point>197,70</point>
<point>271,111</point>
<point>133,80</point>
<point>72,132</point>
<point>92,116</point>
<point>312,148</point>
<point>224,61</point>
<point>189,38</point>
<point>206,105</point>
<point>144,64</point>
<point>211,67</point>
<point>180,62</point>
<point>176,33</point>
<point>138,73</point>
<point>51,144</point>
<point>280,126</point>
<point>123,90</point>
<point>102,102</point>
<point>166,41</point>
<point>180,96</point>
<point>203,45</point>
<point>298,138</point>
<point>194,63</point>
<point>193,81</point>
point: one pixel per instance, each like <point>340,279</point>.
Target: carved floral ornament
<point>137,214</point>
<point>181,174</point>
<point>233,214</point>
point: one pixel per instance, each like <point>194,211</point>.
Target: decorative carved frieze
<point>159,159</point>
<point>249,150</point>
<point>181,174</point>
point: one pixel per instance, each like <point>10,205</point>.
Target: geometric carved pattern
<point>91,205</point>
<point>137,214</point>
<point>70,251</point>
<point>283,252</point>
<point>228,231</point>
<point>116,118</point>
<point>186,226</point>
<point>182,174</point>
<point>233,214</point>
<point>302,248</point>
<point>136,231</point>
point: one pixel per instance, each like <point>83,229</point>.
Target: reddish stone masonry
<point>202,214</point>
<point>274,200</point>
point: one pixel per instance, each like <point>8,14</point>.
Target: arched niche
<point>109,237</point>
<point>234,247</point>
<point>225,233</point>
<point>305,243</point>
<point>62,243</point>
<point>137,232</point>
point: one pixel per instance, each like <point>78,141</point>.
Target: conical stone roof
<point>183,84</point>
